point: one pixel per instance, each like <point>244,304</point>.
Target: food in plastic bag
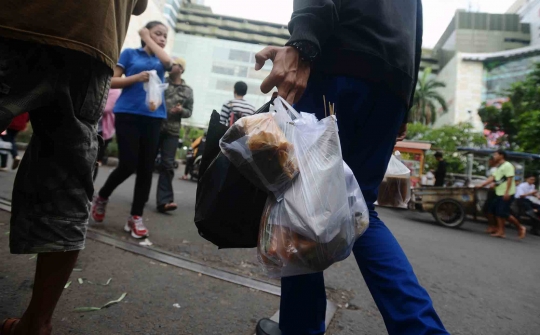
<point>259,149</point>
<point>395,189</point>
<point>154,91</point>
<point>312,227</point>
<point>357,203</point>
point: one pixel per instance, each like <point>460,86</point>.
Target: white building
<point>213,66</point>
<point>480,56</point>
<point>530,13</point>
<point>219,51</point>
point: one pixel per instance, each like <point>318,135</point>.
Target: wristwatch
<point>308,50</point>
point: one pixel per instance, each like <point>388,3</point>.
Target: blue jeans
<point>369,116</point>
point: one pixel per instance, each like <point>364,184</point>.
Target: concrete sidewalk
<point>206,305</point>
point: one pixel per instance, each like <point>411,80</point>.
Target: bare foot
<point>522,232</point>
<point>499,234</point>
<point>491,230</point>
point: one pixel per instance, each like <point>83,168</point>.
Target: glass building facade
<point>499,75</point>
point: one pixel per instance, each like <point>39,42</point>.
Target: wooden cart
<point>449,205</point>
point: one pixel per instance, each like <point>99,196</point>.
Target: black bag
<point>228,207</point>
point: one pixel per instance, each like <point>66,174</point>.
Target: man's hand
<point>506,197</point>
<point>176,109</point>
<point>402,133</point>
<point>289,73</point>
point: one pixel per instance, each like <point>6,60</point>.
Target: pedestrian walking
<point>106,127</point>
<point>137,127</point>
<point>363,60</point>
<point>18,124</point>
<point>236,108</point>
<point>505,189</point>
<point>440,173</point>
<point>179,104</point>
<point>490,197</point>
<point>57,62</point>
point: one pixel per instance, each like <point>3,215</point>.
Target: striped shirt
<point>239,108</point>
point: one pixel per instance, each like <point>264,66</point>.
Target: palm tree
<point>425,99</point>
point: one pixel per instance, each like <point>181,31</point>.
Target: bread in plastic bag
<point>395,189</point>
<point>154,91</point>
<point>259,149</point>
<point>313,226</point>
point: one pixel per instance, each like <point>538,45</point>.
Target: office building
<point>480,56</point>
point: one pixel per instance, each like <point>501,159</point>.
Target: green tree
<point>447,139</point>
<point>426,99</point>
<point>519,117</point>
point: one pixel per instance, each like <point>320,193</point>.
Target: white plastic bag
<point>154,91</point>
<point>395,189</point>
<point>313,226</point>
<point>258,147</point>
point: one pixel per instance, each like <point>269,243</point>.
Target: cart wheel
<point>449,213</point>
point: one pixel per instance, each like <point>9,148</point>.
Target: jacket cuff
<point>303,31</point>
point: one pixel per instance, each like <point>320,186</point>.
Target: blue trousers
<point>369,116</point>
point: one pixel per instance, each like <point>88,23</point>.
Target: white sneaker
<point>136,227</point>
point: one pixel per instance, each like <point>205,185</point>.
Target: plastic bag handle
<point>289,107</point>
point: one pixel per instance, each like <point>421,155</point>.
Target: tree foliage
<point>519,118</point>
<point>447,139</point>
<point>426,99</point>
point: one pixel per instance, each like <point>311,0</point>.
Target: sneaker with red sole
<point>135,226</point>
<point>99,207</point>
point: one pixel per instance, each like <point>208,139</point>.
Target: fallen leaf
<point>93,309</point>
<point>176,305</point>
<point>77,270</point>
<point>67,285</point>
<point>110,303</point>
<point>146,243</point>
<point>107,283</point>
<point>80,280</point>
<point>34,256</point>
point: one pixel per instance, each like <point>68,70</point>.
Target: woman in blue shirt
<point>137,128</point>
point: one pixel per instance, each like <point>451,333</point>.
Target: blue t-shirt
<point>133,98</point>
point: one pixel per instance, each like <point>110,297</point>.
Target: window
<point>225,85</point>
<point>223,69</point>
<point>517,40</point>
<point>230,69</point>
<point>239,56</point>
<point>261,74</point>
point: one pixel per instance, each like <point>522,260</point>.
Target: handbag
<point>228,207</point>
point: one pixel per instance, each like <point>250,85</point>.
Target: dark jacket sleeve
<point>313,20</point>
<point>418,53</point>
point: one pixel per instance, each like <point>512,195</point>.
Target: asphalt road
<point>479,284</point>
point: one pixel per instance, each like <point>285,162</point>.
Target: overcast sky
<point>437,13</point>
